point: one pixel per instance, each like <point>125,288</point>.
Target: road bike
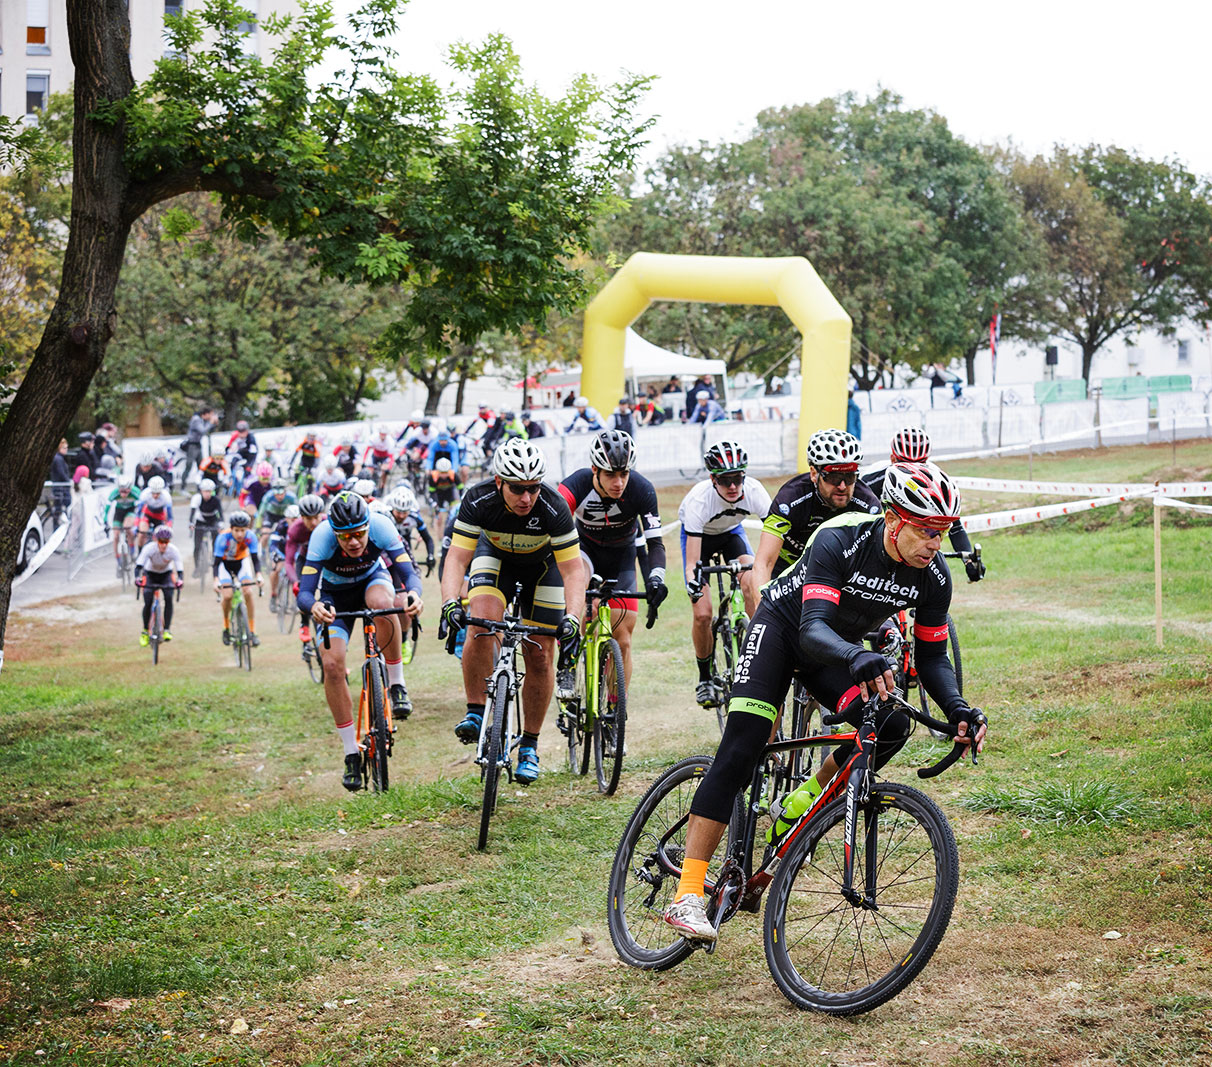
<point>304,482</point>
<point>283,603</point>
<point>595,717</point>
<point>126,556</point>
<point>862,886</point>
<point>727,628</point>
<point>204,553</point>
<point>155,625</point>
<point>501,727</point>
<point>374,725</point>
<point>241,634</point>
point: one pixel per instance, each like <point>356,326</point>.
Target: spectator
<point>674,385</point>
<point>648,412</point>
<point>937,381</point>
<point>107,470</point>
<point>61,482</point>
<point>586,419</point>
<point>703,382</point>
<point>622,418</point>
<point>86,456</point>
<point>854,418</point>
<point>105,443</point>
<point>199,426</point>
<point>533,429</point>
<point>706,409</point>
<point>570,399</point>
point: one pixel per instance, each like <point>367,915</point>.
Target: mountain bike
<point>727,628</point>
<point>596,715</point>
<point>283,603</point>
<point>501,728</point>
<point>126,556</point>
<point>375,728</point>
<point>861,887</point>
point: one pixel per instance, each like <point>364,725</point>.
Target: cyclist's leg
<point>836,692</point>
<point>701,612</point>
<point>618,563</point>
<point>543,605</point>
<point>226,577</point>
<point>485,601</point>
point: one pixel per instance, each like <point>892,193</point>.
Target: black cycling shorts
<point>614,561</point>
<point>496,574</point>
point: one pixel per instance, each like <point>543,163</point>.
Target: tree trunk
<point>970,363</point>
<point>83,319</point>
<point>1088,350</point>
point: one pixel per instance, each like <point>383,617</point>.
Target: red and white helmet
<point>922,494</point>
<point>830,450</point>
<point>910,445</point>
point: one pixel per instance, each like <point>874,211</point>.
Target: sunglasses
<point>729,480</point>
<point>840,477</point>
<point>522,488</point>
<point>351,535</point>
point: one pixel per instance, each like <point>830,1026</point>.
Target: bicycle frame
<point>740,887</point>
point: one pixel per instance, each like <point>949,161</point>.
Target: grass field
<point>183,880</point>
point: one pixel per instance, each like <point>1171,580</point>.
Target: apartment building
<point>35,59</point>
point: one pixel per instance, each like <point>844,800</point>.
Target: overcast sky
<point>1034,72</point>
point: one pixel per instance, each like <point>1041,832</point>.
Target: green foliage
<point>1124,244</point>
<point>1065,803</point>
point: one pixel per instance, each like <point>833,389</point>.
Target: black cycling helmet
<point>311,505</point>
<point>239,520</point>
<point>348,511</point>
<point>612,450</point>
<point>725,457</point>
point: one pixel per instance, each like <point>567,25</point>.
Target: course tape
<point>1162,502</point>
<point>1004,485</point>
<point>1000,520</point>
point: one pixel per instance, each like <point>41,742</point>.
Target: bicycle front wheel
<point>315,665</point>
<point>157,628</point>
<point>834,956</point>
<point>610,722</point>
<point>378,738</point>
<point>494,750</point>
<point>647,867</point>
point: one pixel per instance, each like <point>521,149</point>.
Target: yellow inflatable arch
<point>790,282</point>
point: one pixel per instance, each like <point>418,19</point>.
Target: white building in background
<point>35,59</point>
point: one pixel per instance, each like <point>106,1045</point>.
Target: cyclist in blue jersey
<point>344,571</point>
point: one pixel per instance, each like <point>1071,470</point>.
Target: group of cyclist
<point>838,556</point>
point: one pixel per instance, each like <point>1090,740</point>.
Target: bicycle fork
<point>858,795</point>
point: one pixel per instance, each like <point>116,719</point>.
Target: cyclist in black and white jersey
<point>514,528</point>
<point>711,515</point>
<point>205,513</point>
<point>612,504</point>
<point>858,571</point>
<point>830,486</point>
<point>911,445</point>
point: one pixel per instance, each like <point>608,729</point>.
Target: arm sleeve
<point>959,538</point>
<point>930,633</point>
<point>318,548</point>
<point>820,596</point>
<point>386,538</point>
<point>423,530</point>
<point>254,553</point>
<point>650,526</point>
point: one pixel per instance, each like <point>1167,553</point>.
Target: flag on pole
<point>995,335</point>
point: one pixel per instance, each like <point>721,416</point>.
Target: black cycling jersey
<point>846,585</point>
<point>548,526</point>
<point>957,535</point>
<point>208,512</point>
<point>614,524</point>
<point>798,510</point>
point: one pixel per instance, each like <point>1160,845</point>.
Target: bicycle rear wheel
<point>610,722</point>
<point>240,636</point>
<point>957,663</point>
<point>495,753</point>
<point>378,738</point>
<point>805,722</point>
<point>727,645</point>
<point>647,866</point>
<point>830,955</point>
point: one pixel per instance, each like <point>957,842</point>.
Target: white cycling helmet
<point>329,462</point>
<point>910,445</point>
<point>417,415</point>
<point>155,484</point>
<point>443,465</point>
<point>402,498</point>
<point>702,394</point>
<point>206,485</point>
<point>581,402</point>
<point>922,494</point>
<point>517,460</point>
<point>292,512</point>
<point>828,449</point>
<point>364,487</point>
<point>125,481</point>
<point>612,450</point>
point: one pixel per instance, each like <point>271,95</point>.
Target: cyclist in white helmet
<point>857,572</point>
<point>514,528</point>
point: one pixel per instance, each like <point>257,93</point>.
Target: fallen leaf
<point>1057,755</point>
<point>1112,935</point>
<point>115,1004</point>
<point>239,1027</point>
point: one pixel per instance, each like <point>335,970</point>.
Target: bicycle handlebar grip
<point>956,752</point>
<point>326,644</point>
<point>832,718</point>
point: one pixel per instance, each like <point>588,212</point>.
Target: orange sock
<point>694,874</point>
